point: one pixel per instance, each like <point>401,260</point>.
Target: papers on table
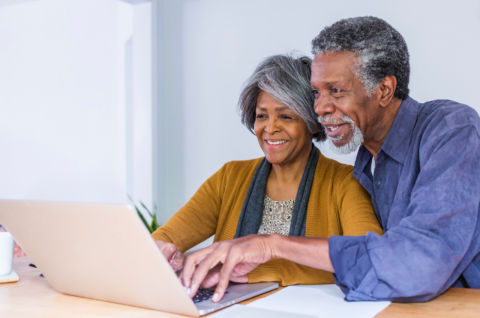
<point>319,301</point>
<point>240,311</point>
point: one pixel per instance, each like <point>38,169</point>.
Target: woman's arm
<point>241,256</point>
<point>195,221</point>
<point>354,204</point>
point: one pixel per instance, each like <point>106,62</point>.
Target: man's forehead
<point>329,68</point>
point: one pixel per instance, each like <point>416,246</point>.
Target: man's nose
<point>324,106</point>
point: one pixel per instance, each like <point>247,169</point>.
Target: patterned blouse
<point>277,216</point>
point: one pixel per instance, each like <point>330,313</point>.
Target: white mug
<point>7,246</point>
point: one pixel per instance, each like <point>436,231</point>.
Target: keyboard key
<point>204,294</point>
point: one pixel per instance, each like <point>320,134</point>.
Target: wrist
<point>275,244</point>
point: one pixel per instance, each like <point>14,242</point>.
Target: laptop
<point>104,252</point>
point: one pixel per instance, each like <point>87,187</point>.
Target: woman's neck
<point>284,180</point>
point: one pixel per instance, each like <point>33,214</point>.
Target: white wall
<point>61,130</point>
<point>63,122</point>
<point>223,41</point>
<point>67,134</point>
<point>135,95</point>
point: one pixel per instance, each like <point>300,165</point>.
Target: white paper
<point>319,300</point>
<point>240,311</point>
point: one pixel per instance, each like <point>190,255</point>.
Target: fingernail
<point>215,297</point>
<point>171,261</point>
<point>188,291</point>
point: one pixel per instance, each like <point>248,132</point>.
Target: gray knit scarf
<point>252,210</point>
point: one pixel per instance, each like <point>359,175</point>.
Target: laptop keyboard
<point>204,294</point>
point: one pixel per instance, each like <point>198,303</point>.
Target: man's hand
<point>239,257</point>
<point>232,260</point>
<point>173,255</point>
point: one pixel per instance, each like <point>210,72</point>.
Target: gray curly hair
<point>287,79</point>
<point>380,49</point>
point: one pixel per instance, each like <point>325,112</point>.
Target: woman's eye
<point>286,117</point>
<point>259,116</point>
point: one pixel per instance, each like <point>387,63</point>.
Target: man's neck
<point>383,125</point>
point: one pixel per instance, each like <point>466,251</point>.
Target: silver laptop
<point>104,252</point>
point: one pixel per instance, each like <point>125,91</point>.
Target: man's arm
<point>242,255</point>
<point>414,260</point>
<point>411,262</point>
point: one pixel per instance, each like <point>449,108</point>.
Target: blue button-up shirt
<point>426,195</point>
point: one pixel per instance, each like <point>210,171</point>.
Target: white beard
<point>349,147</point>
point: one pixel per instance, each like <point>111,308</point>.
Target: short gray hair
<point>381,51</point>
<point>287,79</point>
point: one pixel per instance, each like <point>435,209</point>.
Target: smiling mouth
<point>333,128</point>
<point>335,131</point>
<point>276,142</point>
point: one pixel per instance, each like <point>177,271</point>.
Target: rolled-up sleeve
<point>423,251</point>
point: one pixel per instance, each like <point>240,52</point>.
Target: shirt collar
<point>398,139</point>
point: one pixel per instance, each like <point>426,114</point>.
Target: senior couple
<point>401,225</point>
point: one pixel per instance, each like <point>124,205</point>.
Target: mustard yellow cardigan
<point>338,205</point>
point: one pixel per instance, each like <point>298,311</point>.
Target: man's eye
<point>335,90</point>
<point>315,91</point>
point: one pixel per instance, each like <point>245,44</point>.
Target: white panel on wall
<point>69,69</point>
<point>61,130</point>
<point>142,101</point>
<point>135,95</point>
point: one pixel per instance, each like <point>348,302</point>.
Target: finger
<point>190,264</point>
<point>231,260</point>
<point>239,279</point>
<point>203,268</point>
<point>177,261</point>
<point>211,279</point>
<point>167,249</point>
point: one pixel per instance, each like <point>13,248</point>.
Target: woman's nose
<point>271,126</point>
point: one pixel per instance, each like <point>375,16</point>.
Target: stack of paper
<point>319,301</point>
<point>240,311</point>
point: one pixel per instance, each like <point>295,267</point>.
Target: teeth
<point>276,142</point>
<point>333,128</point>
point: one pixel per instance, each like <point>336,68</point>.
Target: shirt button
<point>378,183</point>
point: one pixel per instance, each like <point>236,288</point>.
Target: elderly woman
<point>294,190</point>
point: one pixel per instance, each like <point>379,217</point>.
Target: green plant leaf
<point>143,220</point>
<point>146,209</point>
<point>154,225</point>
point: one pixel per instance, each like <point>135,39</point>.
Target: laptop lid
<point>97,251</point>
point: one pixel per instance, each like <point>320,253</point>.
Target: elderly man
<point>420,163</point>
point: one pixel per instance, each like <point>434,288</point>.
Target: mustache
<point>329,120</point>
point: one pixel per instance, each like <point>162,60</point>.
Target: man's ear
<point>387,90</point>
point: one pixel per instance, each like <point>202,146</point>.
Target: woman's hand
<point>173,255</point>
<point>239,257</point>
